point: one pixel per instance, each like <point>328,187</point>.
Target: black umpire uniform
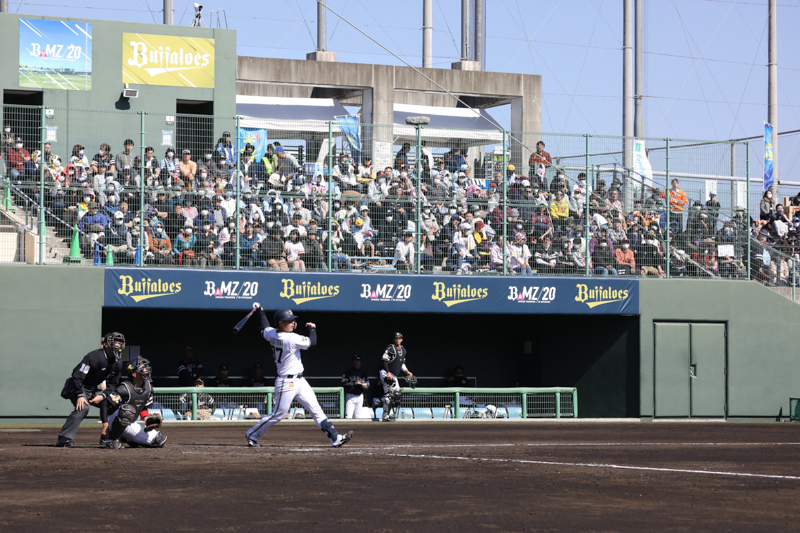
<point>96,367</point>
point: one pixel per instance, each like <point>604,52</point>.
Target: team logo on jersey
<point>116,398</point>
<point>599,295</point>
<point>306,291</point>
<point>232,290</point>
<point>146,288</point>
<point>531,295</point>
<point>457,293</point>
<point>386,292</point>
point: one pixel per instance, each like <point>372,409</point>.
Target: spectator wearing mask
<point>578,252</point>
<point>19,160</point>
<point>169,166</point>
<point>339,259</point>
<point>677,202</point>
<point>295,251</point>
<point>161,245</point>
<point>186,246</point>
<point>651,258</point>
<point>546,256</point>
<point>225,151</point>
<point>463,254</point>
<point>175,222</point>
<point>206,246</point>
<point>314,258</point>
<point>623,259</point>
<point>767,207</point>
<point>713,206</point>
<point>404,253</point>
<point>249,246</point>
<point>188,170</point>
<point>559,209</point>
<point>520,255</point>
<point>137,240</point>
<point>603,260</point>
<point>78,157</point>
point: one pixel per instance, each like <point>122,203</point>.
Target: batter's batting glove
<point>311,325</point>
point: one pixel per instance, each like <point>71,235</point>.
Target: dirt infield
<point>416,477</point>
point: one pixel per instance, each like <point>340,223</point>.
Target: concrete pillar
<point>377,115</point>
<point>526,116</point>
<point>479,34</point>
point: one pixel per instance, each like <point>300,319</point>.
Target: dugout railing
<point>246,403</point>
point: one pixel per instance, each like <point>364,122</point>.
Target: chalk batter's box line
<point>310,447</point>
<point>585,465</point>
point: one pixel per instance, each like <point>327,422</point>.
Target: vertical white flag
<point>641,165</point>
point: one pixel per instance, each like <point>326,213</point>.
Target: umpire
<point>96,367</point>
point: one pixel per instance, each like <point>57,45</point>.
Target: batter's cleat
<point>159,441</point>
<point>341,441</point>
<point>65,443</point>
<point>113,444</point>
<point>251,443</point>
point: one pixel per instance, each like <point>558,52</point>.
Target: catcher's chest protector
<point>138,398</point>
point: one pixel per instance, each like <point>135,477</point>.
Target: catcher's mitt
<point>152,423</point>
<point>412,381</point>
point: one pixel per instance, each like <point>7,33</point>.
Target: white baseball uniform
<point>290,383</point>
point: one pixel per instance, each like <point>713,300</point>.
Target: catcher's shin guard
<point>125,417</point>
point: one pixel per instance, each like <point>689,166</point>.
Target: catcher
<point>394,362</point>
<point>128,401</point>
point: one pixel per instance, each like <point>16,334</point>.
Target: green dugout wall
<point>50,316</point>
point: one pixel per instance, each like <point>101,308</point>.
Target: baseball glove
<point>412,381</point>
<point>152,423</point>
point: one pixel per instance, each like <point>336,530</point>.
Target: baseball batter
<point>290,383</point>
<point>394,362</point>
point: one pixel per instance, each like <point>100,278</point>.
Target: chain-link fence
<point>200,191</point>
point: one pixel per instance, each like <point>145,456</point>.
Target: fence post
<point>747,214</point>
<point>669,212</point>
<point>505,205</point>
<point>575,403</point>
<point>238,197</point>
<point>194,406</point>
<point>587,258</point>
<point>341,402</point>
<point>42,165</point>
<point>330,193</point>
<point>793,262</point>
<point>269,400</point>
<point>419,198</point>
<point>524,405</point>
<point>457,406</point>
<point>141,190</point>
<point>558,404</point>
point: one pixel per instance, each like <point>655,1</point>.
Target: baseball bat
<point>238,327</point>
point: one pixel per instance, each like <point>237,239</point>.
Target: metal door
<point>707,370</point>
<point>671,369</point>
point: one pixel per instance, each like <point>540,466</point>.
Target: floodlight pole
<point>168,12</point>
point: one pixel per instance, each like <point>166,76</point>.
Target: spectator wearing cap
<point>463,253</point>
<point>539,156</point>
<point>618,232</point>
<point>189,369</point>
<point>355,382</point>
<point>221,380</point>
<point>225,151</point>
<point>218,214</point>
<point>456,160</point>
<point>116,236</point>
<point>186,245</point>
<point>363,237</point>
<point>93,223</point>
<point>77,158</point>
<point>314,257</point>
<point>712,205</point>
<point>287,163</point>
<point>295,224</point>
<point>256,378</point>
<point>188,170</point>
<point>546,256</point>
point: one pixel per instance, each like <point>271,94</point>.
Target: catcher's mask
<point>141,366</point>
<point>116,341</point>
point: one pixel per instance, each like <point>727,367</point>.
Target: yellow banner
<point>167,60</point>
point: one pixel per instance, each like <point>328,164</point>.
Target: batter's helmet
<point>114,338</point>
<point>398,335</point>
<point>284,315</point>
<point>141,366</point>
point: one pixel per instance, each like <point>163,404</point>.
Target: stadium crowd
<point>191,216</point>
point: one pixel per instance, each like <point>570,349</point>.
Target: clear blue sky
<point>706,60</point>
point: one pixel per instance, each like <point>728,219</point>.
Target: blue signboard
<point>153,288</point>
